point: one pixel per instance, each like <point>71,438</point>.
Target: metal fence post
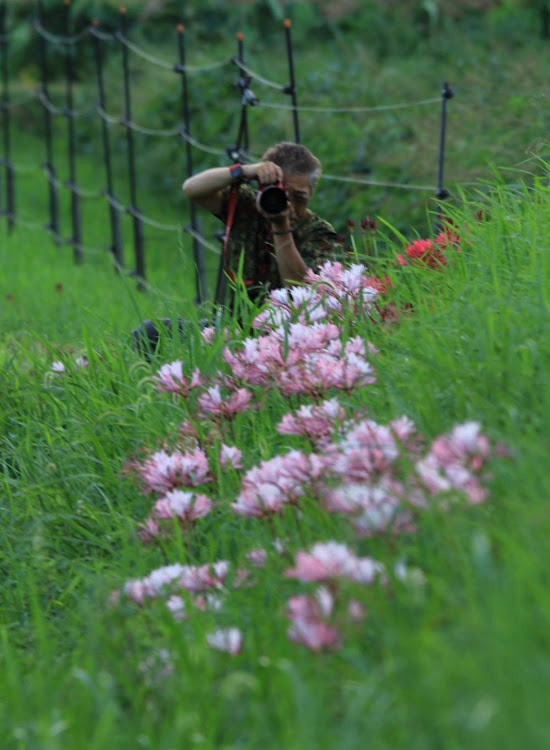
<point>291,88</point>
<point>127,122</point>
<point>116,237</point>
<point>76,239</point>
<point>446,94</point>
<point>198,250</point>
<point>49,168</point>
<point>4,106</point>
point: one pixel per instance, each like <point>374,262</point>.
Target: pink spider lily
<point>176,606</point>
<point>314,634</point>
<point>191,578</point>
<point>208,334</point>
<point>152,585</point>
<point>325,295</point>
<point>196,578</point>
<point>343,282</point>
<point>257,557</point>
<point>314,422</point>
<point>301,359</point>
<point>328,560</point>
<point>311,606</point>
<point>166,471</point>
<point>366,451</point>
<point>230,456</point>
<point>454,460</point>
<point>229,640</point>
<point>267,488</point>
<point>372,508</point>
<point>187,507</point>
<point>148,530</point>
<point>308,614</point>
<point>213,404</point>
<point>170,378</point>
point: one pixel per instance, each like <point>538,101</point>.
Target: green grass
<point>459,662</point>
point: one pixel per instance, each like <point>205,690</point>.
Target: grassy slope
<point>463,662</point>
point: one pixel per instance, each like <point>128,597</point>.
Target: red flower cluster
<point>429,252</point>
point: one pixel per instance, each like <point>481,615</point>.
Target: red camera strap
<point>232,201</point>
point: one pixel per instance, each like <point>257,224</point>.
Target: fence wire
<point>59,41</point>
<point>166,65</point>
<point>348,110</point>
<point>379,183</point>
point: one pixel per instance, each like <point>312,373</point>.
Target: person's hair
<point>295,159</point>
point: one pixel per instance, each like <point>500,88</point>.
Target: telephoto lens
<point>273,199</point>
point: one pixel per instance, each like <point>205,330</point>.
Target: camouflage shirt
<point>315,240</point>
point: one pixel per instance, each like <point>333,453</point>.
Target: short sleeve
<point>319,244</point>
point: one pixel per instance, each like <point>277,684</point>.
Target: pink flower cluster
<point>191,578</point>
<point>381,477</point>
<point>170,378</point>
<point>230,456</point>
<point>343,285</point>
<point>454,462</point>
<point>327,295</point>
<point>187,507</point>
<point>310,614</point>
<point>374,509</point>
<point>164,471</point>
<point>328,560</point>
<point>302,359</point>
<point>213,404</point>
<point>229,640</point>
<point>378,475</point>
<point>316,422</point>
<point>282,480</point>
<point>380,492</point>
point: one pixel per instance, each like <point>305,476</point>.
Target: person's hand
<point>266,172</point>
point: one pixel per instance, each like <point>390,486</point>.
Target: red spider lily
<point>426,252</point>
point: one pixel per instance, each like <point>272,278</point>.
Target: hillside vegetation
<point>322,523</point>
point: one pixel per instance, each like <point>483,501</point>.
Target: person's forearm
<point>206,183</point>
<point>291,265</point>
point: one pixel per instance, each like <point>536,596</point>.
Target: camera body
<point>273,199</point>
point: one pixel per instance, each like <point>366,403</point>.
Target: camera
<point>273,199</point>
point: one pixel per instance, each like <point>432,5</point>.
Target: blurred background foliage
<point>387,26</point>
<point>347,52</point>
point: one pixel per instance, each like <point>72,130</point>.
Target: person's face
<point>299,195</point>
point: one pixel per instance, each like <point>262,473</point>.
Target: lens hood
<point>273,199</point>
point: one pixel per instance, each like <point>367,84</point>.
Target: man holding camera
<point>273,228</point>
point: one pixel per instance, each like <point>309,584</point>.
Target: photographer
<point>272,227</point>
<point>277,247</point>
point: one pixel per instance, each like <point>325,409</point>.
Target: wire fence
<point>68,44</point>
